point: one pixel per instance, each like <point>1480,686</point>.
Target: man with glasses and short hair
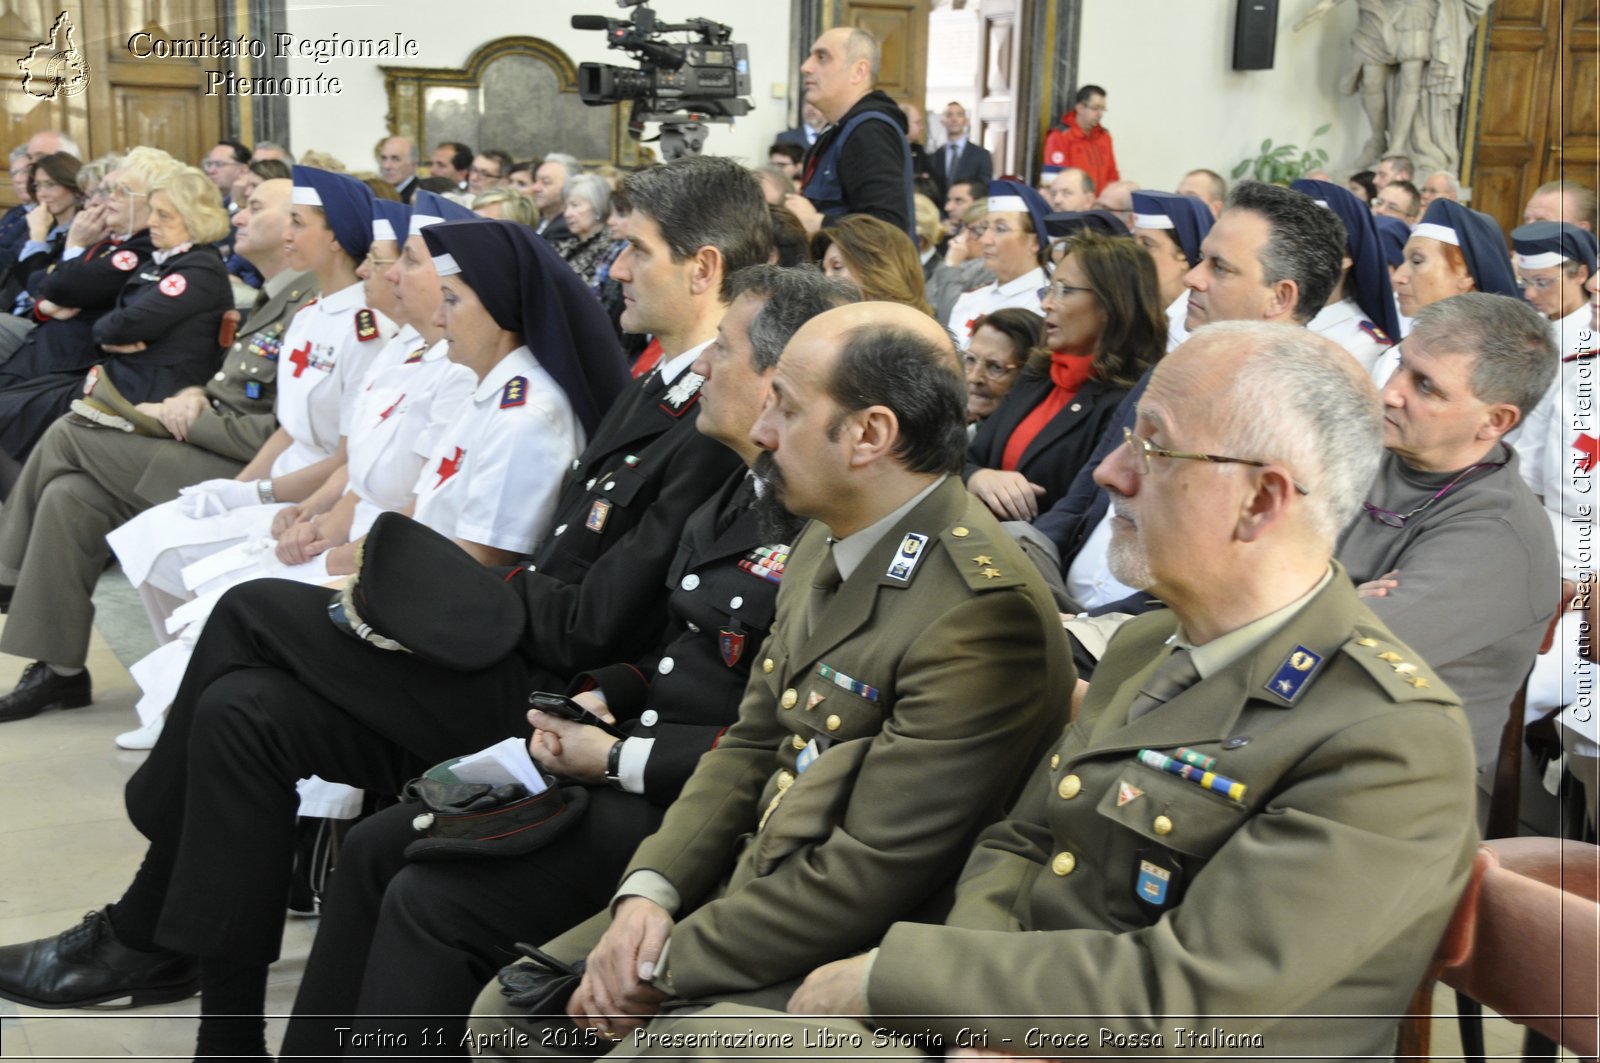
<point>488,170</point>
<point>1144,876</point>
<point>1399,199</point>
<point>1451,549</point>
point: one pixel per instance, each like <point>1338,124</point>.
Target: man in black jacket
<point>862,163</point>
<point>414,942</point>
<point>276,693</point>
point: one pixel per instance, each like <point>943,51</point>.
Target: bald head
<point>260,224</point>
<point>841,68</point>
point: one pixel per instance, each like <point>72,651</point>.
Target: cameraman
<point>861,164</point>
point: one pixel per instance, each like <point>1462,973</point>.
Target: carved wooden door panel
<point>1004,87</point>
<point>79,75</point>
<point>1538,117</point>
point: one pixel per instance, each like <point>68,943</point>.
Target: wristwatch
<point>614,765</point>
<point>264,491</point>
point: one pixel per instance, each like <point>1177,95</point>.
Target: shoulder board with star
<point>366,325</point>
<point>681,395</point>
<point>1396,668</point>
<point>975,557</point>
<point>1376,333</point>
<point>515,393</point>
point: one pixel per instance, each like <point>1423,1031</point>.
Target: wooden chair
<point>1534,955</point>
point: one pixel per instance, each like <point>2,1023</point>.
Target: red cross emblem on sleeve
<point>448,467</point>
<point>300,357</point>
<point>174,284</point>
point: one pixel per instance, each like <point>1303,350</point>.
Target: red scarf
<point>1067,373</point>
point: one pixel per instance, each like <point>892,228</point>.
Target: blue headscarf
<point>427,208</point>
<point>1185,217</point>
<point>1369,271</point>
<point>391,220</point>
<point>1008,194</point>
<point>1482,244</point>
<point>1392,236</point>
<point>529,290</point>
<point>1542,244</point>
<point>346,202</point>
<point>1064,223</point>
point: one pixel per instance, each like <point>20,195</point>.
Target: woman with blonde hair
<point>505,204</point>
<point>876,257</point>
<point>164,331</point>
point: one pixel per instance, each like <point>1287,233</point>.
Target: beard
<point>775,523</point>
<point>1127,559</point>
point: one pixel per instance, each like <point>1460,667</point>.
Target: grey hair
<point>95,170</point>
<point>1299,399</point>
<point>569,163</point>
<point>863,45</point>
<point>1307,243</point>
<point>19,152</point>
<point>593,190</point>
<point>793,296</point>
<point>1402,165</point>
<point>272,145</point>
<point>1454,185</point>
<point>1515,351</point>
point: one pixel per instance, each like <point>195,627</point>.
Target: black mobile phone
<point>567,709</point>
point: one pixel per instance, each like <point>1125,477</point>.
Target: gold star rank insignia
<point>991,573</point>
<point>983,559</point>
<point>1418,681</point>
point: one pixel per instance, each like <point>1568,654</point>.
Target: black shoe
<point>87,965</point>
<point>6,591</point>
<point>41,689</point>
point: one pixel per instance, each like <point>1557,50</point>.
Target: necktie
<point>823,584</point>
<point>1172,676</point>
<point>950,159</point>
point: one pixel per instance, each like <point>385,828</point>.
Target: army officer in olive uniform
<point>1253,836</point>
<point>916,666</point>
<point>85,478</point>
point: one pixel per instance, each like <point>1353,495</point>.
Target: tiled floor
<point>68,848</point>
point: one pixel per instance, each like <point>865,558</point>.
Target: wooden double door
<point>110,99</point>
<point>1539,119</point>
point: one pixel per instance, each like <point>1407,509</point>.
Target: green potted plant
<point>1284,163</point>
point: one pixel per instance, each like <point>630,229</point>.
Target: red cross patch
<point>173,284</point>
<point>448,467</point>
<point>300,357</point>
<point>384,416</point>
<point>1589,447</point>
<point>125,260</point>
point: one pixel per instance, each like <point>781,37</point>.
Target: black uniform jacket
<point>595,592</point>
<point>723,590</point>
<point>89,284</point>
<point>1062,448</point>
<point>175,310</point>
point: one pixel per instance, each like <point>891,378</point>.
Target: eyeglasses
<point>381,263</point>
<point>124,190</point>
<point>1398,520</point>
<point>999,229</point>
<point>1538,284</point>
<point>478,171</point>
<point>1061,289</point>
<point>45,185</point>
<point>1146,450</point>
<point>991,368</point>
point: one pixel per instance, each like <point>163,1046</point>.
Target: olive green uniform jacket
<point>1322,892</point>
<point>930,692</point>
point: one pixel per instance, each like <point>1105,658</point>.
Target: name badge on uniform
<point>906,558</point>
<point>731,645</point>
<point>1158,881</point>
<point>598,514</point>
<point>814,749</point>
<point>1293,674</point>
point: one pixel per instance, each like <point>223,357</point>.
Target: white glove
<point>212,497</point>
